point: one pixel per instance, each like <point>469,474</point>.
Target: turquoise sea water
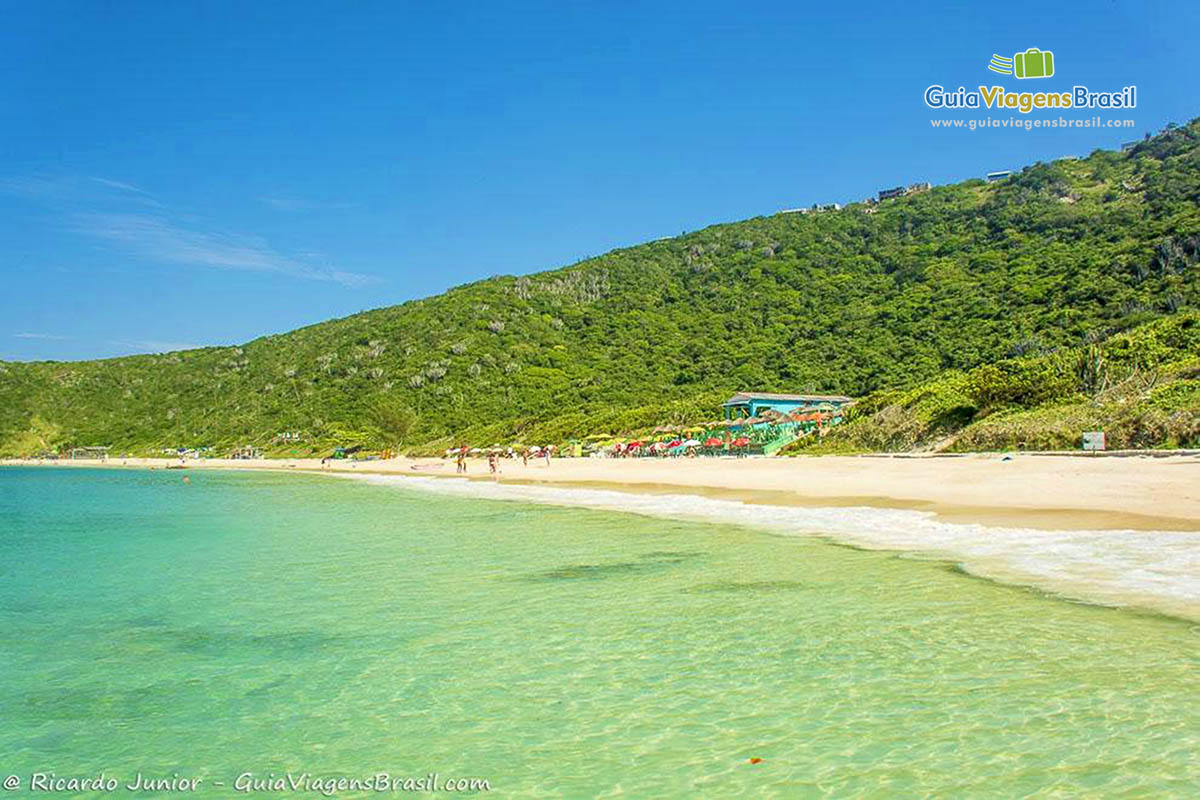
<point>273,623</point>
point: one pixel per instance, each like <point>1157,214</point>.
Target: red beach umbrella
<point>712,441</point>
<point>741,441</point>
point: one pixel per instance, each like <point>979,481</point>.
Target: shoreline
<point>1071,492</point>
<point>1110,532</point>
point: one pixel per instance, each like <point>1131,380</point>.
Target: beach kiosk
<point>746,405</point>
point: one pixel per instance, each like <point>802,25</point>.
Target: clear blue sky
<point>187,173</point>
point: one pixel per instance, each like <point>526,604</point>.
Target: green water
<point>275,623</point>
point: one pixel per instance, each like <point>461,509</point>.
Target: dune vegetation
<point>1141,388</point>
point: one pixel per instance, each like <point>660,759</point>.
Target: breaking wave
<point>1153,570</point>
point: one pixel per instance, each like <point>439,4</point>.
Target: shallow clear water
<point>274,623</point>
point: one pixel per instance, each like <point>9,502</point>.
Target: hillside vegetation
<point>1142,388</point>
<point>1058,257</point>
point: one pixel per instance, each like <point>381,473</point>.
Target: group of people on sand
<point>494,456</point>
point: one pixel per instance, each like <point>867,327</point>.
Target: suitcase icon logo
<point>1033,63</point>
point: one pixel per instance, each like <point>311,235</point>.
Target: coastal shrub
<point>42,436</point>
<point>1143,384</point>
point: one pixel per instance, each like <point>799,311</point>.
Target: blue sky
<point>180,174</point>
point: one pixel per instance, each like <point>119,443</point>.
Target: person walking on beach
<point>492,462</point>
<point>461,466</point>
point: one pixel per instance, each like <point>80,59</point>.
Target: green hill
<point>855,301</point>
<point>1141,387</point>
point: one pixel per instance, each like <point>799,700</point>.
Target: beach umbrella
<point>741,441</point>
<point>712,441</point>
<point>675,443</point>
<point>691,443</point>
<point>633,445</point>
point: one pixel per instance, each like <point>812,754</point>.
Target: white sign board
<point>1093,440</point>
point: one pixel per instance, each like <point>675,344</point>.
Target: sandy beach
<point>1054,492</point>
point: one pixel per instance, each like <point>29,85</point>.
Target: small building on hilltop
<point>751,404</point>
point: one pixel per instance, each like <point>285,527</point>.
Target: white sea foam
<point>1155,570</point>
